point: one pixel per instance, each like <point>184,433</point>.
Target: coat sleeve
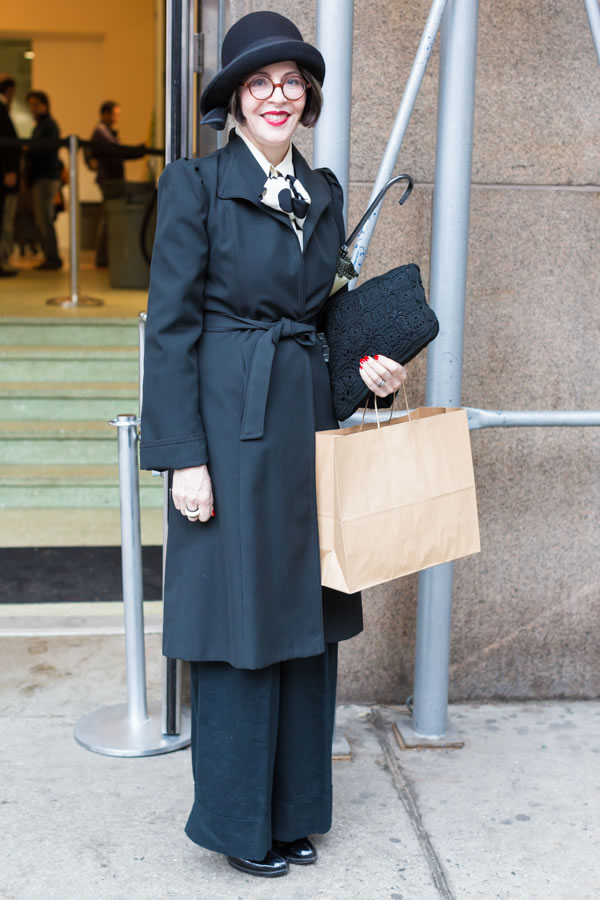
<point>172,436</point>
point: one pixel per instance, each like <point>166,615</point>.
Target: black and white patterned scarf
<point>287,194</point>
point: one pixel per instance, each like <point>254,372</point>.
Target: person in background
<point>43,169</point>
<point>107,157</point>
<point>9,177</point>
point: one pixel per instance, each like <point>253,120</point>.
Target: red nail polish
<point>213,513</point>
<point>361,365</point>
<point>376,356</point>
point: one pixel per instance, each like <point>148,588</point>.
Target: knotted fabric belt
<point>259,377</point>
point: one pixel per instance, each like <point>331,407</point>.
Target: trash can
<point>131,214</point>
<point>90,218</point>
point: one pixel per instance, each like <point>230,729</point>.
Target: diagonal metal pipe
<point>401,121</point>
<point>593,11</point>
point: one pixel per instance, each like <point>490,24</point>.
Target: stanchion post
<point>132,728</point>
<point>131,559</point>
<point>74,299</point>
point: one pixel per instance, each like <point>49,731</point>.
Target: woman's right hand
<point>192,493</point>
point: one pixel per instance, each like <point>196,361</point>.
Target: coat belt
<point>259,377</point>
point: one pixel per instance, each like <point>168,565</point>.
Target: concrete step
<point>68,526</point>
<point>57,442</point>
<point>84,486</point>
<point>57,620</point>
<point>58,401</point>
<point>66,363</point>
<point>94,332</point>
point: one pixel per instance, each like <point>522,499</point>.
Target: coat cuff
<point>181,453</point>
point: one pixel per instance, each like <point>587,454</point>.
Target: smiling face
<point>270,124</point>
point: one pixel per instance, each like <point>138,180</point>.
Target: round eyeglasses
<point>262,87</point>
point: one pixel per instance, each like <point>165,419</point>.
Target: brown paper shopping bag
<point>395,498</point>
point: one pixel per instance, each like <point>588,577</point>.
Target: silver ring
<point>381,382</point>
<point>191,512</point>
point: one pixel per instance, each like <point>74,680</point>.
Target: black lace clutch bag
<point>388,314</point>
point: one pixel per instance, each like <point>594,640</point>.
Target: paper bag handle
<point>391,408</point>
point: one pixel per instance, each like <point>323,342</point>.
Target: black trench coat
<point>235,378</point>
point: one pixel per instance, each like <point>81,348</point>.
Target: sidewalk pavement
<point>514,814</point>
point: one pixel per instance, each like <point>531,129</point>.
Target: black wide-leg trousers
<point>261,753</point>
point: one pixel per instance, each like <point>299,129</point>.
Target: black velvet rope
<point>106,147</point>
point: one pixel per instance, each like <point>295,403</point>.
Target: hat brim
<point>220,89</point>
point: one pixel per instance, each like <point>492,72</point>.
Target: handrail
<point>537,418</point>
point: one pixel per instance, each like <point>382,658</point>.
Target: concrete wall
<point>526,621</point>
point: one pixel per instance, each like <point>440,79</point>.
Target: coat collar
<point>242,177</point>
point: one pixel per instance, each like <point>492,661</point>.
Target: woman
<point>235,387</point>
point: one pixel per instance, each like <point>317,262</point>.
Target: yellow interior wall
<point>87,53</point>
<point>72,72</point>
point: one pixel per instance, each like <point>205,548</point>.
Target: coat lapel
<point>243,178</point>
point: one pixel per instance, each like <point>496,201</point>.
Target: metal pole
<point>171,668</point>
<point>403,115</point>
<point>212,26</point>
<point>506,418</point>
<point>332,132</point>
<point>129,729</point>
<point>74,299</point>
<point>332,138</point>
<point>74,218</point>
<point>545,418</point>
<point>593,11</point>
<point>141,354</point>
<point>131,559</point>
<point>178,136</point>
<point>187,83</point>
<point>173,87</point>
<point>448,274</point>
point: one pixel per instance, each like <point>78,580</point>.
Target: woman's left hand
<point>382,375</point>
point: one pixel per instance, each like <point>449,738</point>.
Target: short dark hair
<point>40,96</point>
<point>108,106</point>
<point>312,109</point>
<point>6,83</point>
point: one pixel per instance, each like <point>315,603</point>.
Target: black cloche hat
<point>257,39</point>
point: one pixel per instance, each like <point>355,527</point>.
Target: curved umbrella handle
<point>410,182</point>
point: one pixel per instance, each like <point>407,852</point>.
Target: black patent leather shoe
<point>270,867</point>
<point>300,852</point>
